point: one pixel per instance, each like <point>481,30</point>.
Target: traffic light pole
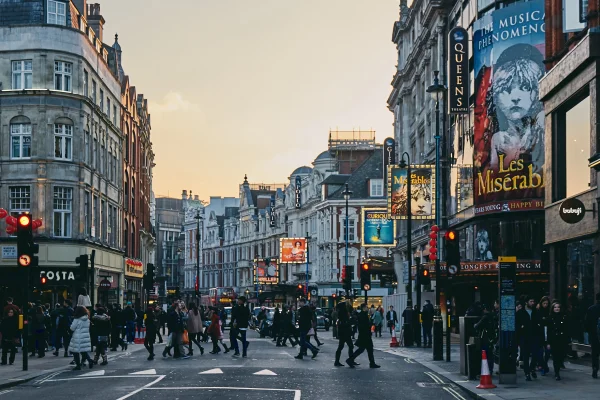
<point>438,325</point>
<point>408,312</point>
<point>25,332</point>
<point>93,278</point>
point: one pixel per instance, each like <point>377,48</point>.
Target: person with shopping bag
<point>194,329</point>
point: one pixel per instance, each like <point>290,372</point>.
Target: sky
<point>252,86</point>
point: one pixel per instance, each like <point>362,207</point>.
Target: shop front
<point>134,273</point>
<point>108,288</point>
<point>62,283</point>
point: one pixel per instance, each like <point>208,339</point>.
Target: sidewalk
<point>12,375</point>
<point>576,380</point>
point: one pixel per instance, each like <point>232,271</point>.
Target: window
<point>108,107</point>
<point>376,187</point>
<point>96,226</point>
<point>578,148</point>
<point>102,158</point>
<point>88,213</point>
<point>63,141</point>
<point>114,173</point>
<point>94,91</point>
<point>57,13</point>
<point>101,100</point>
<point>20,199</point>
<point>85,83</point>
<point>87,145</point>
<point>22,74</point>
<point>63,205</point>
<point>62,76</point>
<point>114,115</point>
<point>20,141</point>
<point>126,194</point>
<point>94,155</point>
<point>351,230</point>
<point>104,217</point>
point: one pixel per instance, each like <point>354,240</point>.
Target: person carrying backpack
<point>592,323</point>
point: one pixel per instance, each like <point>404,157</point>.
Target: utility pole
<point>408,312</point>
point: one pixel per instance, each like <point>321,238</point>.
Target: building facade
<point>170,245</point>
<point>61,160</point>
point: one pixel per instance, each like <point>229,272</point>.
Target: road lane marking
<point>101,377</point>
<point>454,393</point>
<point>435,378</point>
<point>265,372</point>
<point>160,378</point>
<point>5,392</point>
<point>408,360</point>
<point>146,372</point>
<point>50,376</point>
<point>212,371</point>
<point>297,392</point>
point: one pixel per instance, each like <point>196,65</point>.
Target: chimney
<point>184,195</point>
<point>81,6</point>
<point>196,197</point>
<point>190,195</point>
<point>95,20</point>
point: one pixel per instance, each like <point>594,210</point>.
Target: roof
<point>326,155</point>
<point>335,180</point>
<point>304,170</point>
<point>358,182</point>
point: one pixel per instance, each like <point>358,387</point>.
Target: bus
<point>219,297</point>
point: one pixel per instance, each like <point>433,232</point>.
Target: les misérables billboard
<point>508,154</point>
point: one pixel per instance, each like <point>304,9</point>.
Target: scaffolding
<point>351,140</point>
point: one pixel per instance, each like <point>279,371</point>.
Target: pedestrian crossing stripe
<point>146,372</point>
<point>94,373</point>
<point>212,371</point>
<point>265,372</point>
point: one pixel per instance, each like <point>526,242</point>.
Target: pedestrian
<point>130,317</point>
<point>63,324</point>
<point>543,308</point>
<point>214,330</point>
<point>592,323</point>
<point>416,325</point>
<point>276,327</point>
<point>365,341</point>
<point>286,329</point>
<point>81,343</point>
<point>83,299</point>
<point>175,326</point>
<point>158,313</point>
<point>139,321</point>
<point>223,317</point>
<point>344,333</point>
<point>151,322</point>
<point>102,330</point>
<point>9,328</point>
<point>529,337</point>
<point>305,325</point>
<point>334,319</point>
<point>313,309</point>
<point>487,330</point>
<point>54,315</point>
<point>194,328</point>
<point>558,338</point>
<point>10,306</point>
<point>38,327</point>
<point>377,320</point>
<point>427,316</point>
<point>117,326</point>
<point>240,323</point>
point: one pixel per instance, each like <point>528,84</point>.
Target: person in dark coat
<point>487,329</point>
<point>9,327</point>
<point>130,318</point>
<point>558,338</point>
<point>276,324</point>
<point>305,324</point>
<point>592,323</point>
<point>240,316</point>
<point>102,329</point>
<point>392,319</point>
<point>117,324</point>
<point>365,341</point>
<point>427,315</point>
<point>38,328</point>
<point>175,326</point>
<point>344,333</point>
<point>529,334</point>
<point>287,329</point>
<point>151,320</point>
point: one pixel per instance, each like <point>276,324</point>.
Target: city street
<point>268,372</point>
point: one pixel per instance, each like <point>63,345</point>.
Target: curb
<point>34,375</point>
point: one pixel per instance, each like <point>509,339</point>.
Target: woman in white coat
<point>81,342</point>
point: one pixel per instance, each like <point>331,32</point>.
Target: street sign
<point>24,260</point>
<point>452,269</point>
<point>366,286</point>
<point>104,284</point>
<point>405,272</point>
<point>313,292</point>
<point>507,279</point>
<point>9,252</point>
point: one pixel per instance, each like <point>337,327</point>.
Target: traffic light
<point>197,285</point>
<point>43,279</point>
<point>82,260</point>
<point>347,277</point>
<point>149,277</point>
<point>26,249</point>
<point>365,276</point>
<point>299,290</point>
<point>433,236</point>
<point>425,276</point>
<point>452,252</point>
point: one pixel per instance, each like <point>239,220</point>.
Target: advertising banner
<point>134,268</point>
<point>378,229</point>
<point>292,250</point>
<point>458,65</point>
<point>266,271</point>
<point>508,154</point>
<point>422,198</point>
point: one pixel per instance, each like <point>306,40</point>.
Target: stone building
<point>61,159</point>
<point>170,245</point>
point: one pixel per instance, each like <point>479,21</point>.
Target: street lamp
<point>408,312</point>
<point>347,193</point>
<point>436,90</point>
<point>198,218</point>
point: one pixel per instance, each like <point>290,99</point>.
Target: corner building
<point>492,194</point>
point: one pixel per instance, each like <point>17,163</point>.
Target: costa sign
<point>571,211</point>
<point>62,276</point>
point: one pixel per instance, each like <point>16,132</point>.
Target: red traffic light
<point>300,287</point>
<point>334,295</point>
<point>24,220</point>
<point>451,235</point>
<point>365,267</point>
<point>43,280</point>
<point>425,272</point>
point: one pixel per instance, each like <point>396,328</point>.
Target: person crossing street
<point>305,325</point>
<point>365,341</point>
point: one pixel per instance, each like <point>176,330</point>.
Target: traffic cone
<point>142,336</point>
<point>485,381</point>
<point>394,342</point>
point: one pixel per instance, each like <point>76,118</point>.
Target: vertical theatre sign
<point>422,189</point>
<point>459,71</point>
<point>389,153</point>
<point>508,149</point>
<point>298,192</point>
<point>272,212</point>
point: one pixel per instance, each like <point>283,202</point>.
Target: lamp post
<point>307,260</point>
<point>198,218</point>
<point>436,90</point>
<point>408,312</point>
<point>347,193</point>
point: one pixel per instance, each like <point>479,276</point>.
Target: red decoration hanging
<point>3,213</point>
<point>11,229</point>
<point>10,220</point>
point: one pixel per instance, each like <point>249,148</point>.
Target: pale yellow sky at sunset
<point>253,86</point>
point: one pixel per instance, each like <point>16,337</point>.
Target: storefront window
<point>578,148</point>
<point>580,272</point>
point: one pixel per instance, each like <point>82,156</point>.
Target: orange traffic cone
<point>141,337</point>
<point>485,381</point>
<point>394,342</point>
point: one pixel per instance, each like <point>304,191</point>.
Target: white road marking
<point>297,393</point>
<point>5,392</point>
<point>102,377</point>
<point>265,372</point>
<point>93,373</point>
<point>160,378</point>
<point>212,371</point>
<point>50,376</point>
<point>146,372</point>
<point>435,378</point>
<point>454,393</point>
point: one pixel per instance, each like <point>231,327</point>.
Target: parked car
<point>323,321</point>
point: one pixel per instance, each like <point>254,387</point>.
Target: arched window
<point>20,137</point>
<point>126,193</point>
<point>133,195</point>
<point>125,236</point>
<point>126,142</point>
<point>133,248</point>
<point>133,148</point>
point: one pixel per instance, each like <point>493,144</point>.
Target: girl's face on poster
<point>515,88</point>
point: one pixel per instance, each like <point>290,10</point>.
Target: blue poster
<point>378,229</point>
